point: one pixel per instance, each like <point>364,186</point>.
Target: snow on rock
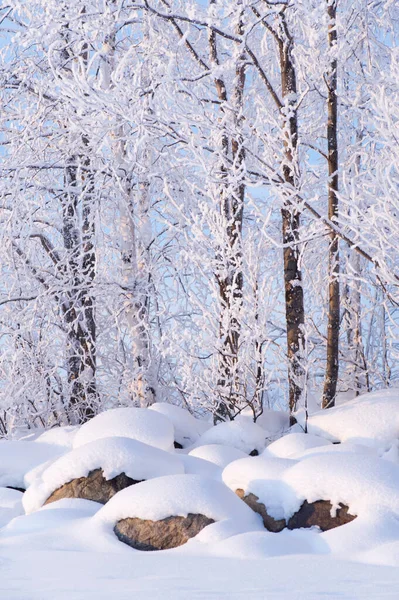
<point>371,418</point>
<point>292,444</point>
<point>187,428</point>
<point>360,481</point>
<point>243,435</point>
<point>113,456</point>
<point>59,436</point>
<point>197,466</point>
<point>261,476</point>
<point>175,495</point>
<point>19,457</point>
<point>10,505</point>
<point>147,426</point>
<point>218,454</point>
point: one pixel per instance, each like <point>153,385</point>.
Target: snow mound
<point>59,436</point>
<point>371,418</point>
<point>218,454</point>
<point>261,544</point>
<point>187,428</point>
<point>113,455</point>
<point>10,505</point>
<point>274,423</point>
<point>243,435</point>
<point>262,476</point>
<point>140,424</point>
<point>360,481</point>
<point>19,457</point>
<point>293,444</point>
<point>176,495</point>
<point>198,466</point>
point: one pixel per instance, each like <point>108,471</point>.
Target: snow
<point>19,457</point>
<point>293,444</point>
<point>218,454</point>
<point>187,428</point>
<point>147,426</point>
<point>197,466</point>
<point>261,476</point>
<point>59,436</point>
<point>113,455</point>
<point>176,495</point>
<point>10,505</point>
<point>242,434</point>
<point>274,423</point>
<point>371,419</point>
<point>100,576</point>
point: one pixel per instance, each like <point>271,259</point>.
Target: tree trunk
<point>332,366</point>
<point>294,302</point>
<point>229,273</point>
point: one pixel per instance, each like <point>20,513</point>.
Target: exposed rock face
<point>274,525</point>
<point>319,513</point>
<point>93,487</point>
<point>310,514</point>
<point>160,535</point>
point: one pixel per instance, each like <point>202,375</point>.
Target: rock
<point>309,515</point>
<point>271,524</point>
<point>319,513</point>
<point>93,487</point>
<point>160,535</point>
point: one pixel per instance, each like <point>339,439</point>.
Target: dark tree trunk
<point>332,366</point>
<point>294,302</point>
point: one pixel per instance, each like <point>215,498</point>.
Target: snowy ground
<point>68,549</point>
<point>49,575</point>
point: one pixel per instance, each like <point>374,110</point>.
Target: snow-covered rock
<point>175,495</point>
<point>18,457</point>
<point>59,436</point>
<point>293,444</point>
<point>274,422</point>
<point>113,456</point>
<point>198,466</point>
<point>147,426</point>
<point>371,419</point>
<point>243,435</point>
<point>218,454</point>
<point>187,428</point>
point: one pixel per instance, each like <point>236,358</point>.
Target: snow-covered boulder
<point>99,469</point>
<point>242,434</point>
<point>327,490</point>
<point>165,512</point>
<point>147,426</point>
<point>256,480</point>
<point>218,454</point>
<point>19,457</point>
<point>369,419</point>
<point>187,428</point>
<point>294,444</point>
<point>59,436</point>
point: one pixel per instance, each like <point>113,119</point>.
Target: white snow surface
<point>147,426</point>
<point>114,456</point>
<point>59,436</point>
<point>19,457</point>
<point>187,428</point>
<point>274,423</point>
<point>10,505</point>
<point>293,444</point>
<point>176,495</point>
<point>198,466</point>
<point>218,454</point>
<point>371,419</point>
<point>242,434</point>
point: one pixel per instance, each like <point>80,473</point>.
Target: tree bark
<point>333,328</point>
